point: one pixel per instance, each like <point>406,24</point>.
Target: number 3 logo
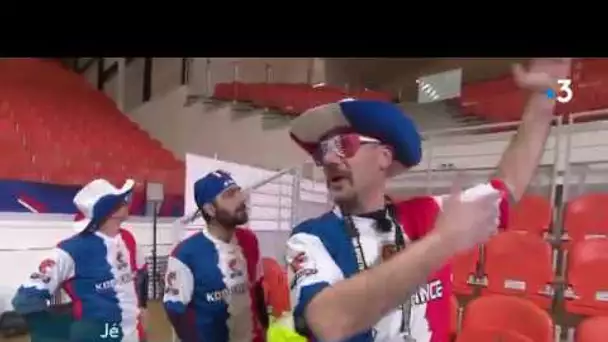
<point>565,91</point>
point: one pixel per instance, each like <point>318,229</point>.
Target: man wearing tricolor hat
<point>213,284</point>
<point>372,269</point>
<point>99,267</point>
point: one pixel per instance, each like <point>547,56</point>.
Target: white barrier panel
<point>28,238</point>
<point>588,143</point>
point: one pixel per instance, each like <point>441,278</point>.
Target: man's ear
<point>209,209</point>
<point>386,158</point>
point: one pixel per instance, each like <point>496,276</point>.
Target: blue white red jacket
<point>320,253</point>
<point>212,289</point>
<point>98,274</point>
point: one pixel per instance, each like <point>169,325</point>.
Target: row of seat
<point>517,320</point>
<point>510,319</point>
<point>501,100</point>
<point>290,99</point>
<point>551,261</point>
<point>522,264</point>
<point>583,217</point>
<point>57,128</point>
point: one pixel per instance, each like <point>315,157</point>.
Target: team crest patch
<point>170,286</point>
<point>233,265</point>
<point>301,267</point>
<point>298,262</point>
<point>120,261</point>
<point>43,271</point>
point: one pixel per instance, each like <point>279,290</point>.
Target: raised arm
<point>334,309</point>
<point>522,156</point>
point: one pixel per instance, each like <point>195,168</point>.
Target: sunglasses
<point>343,145</point>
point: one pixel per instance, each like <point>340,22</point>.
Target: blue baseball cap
<point>376,119</point>
<point>209,187</point>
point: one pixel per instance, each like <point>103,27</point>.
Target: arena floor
<point>159,328</point>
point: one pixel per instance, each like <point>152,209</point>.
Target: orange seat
<point>586,216</point>
<point>504,314</point>
<point>532,214</point>
<point>587,277</point>
<point>593,329</point>
<point>464,268</point>
<point>491,335</point>
<point>519,263</point>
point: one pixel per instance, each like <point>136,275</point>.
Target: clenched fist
<point>467,221</point>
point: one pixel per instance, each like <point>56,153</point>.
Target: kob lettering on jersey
<point>124,278</point>
<point>216,296</point>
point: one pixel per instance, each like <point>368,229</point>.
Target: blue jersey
<point>98,274</point>
<point>209,288</point>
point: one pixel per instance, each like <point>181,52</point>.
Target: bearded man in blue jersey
<point>213,284</point>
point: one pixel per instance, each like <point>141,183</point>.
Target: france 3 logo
<point>565,92</point>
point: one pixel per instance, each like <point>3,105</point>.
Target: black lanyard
<point>353,232</point>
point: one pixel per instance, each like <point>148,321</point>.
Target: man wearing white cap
<point>213,285</point>
<point>374,270</point>
<point>99,268</point>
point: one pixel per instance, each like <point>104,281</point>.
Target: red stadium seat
<point>291,100</point>
<point>514,317</point>
<point>491,335</point>
<point>463,269</point>
<point>327,94</point>
<point>242,92</point>
<point>224,91</point>
<point>62,130</point>
<point>532,214</point>
<point>305,99</point>
<point>278,96</point>
<point>368,94</point>
<point>586,217</point>
<point>519,263</point>
<point>594,329</point>
<point>587,278</point>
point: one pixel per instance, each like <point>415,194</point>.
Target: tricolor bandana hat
<point>97,200</point>
<point>375,119</point>
<point>209,187</point>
